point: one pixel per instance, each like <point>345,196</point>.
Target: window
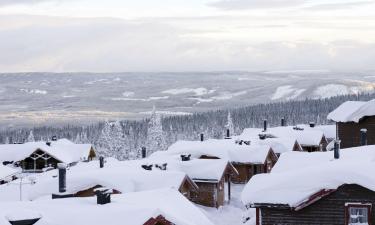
<point>358,214</point>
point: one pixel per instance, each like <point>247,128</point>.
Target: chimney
<point>202,137</point>
<point>227,134</point>
<point>265,125</point>
<point>48,143</point>
<point>101,161</point>
<point>336,149</point>
<point>312,124</point>
<point>283,122</point>
<point>54,138</point>
<point>144,152</point>
<point>363,137</point>
<point>103,195</point>
<point>62,177</point>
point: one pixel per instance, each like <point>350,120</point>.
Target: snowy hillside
<point>84,97</point>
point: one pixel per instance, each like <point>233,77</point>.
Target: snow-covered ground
<point>229,214</point>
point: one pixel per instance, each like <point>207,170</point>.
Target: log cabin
<point>324,190</point>
<point>310,139</point>
<point>246,159</point>
<point>351,118</point>
<point>37,156</point>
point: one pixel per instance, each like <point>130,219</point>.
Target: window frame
<point>357,205</point>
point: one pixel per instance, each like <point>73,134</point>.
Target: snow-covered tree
<point>229,124</point>
<point>155,135</point>
<point>31,138</point>
<point>112,141</point>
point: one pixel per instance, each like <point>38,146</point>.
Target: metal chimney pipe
<point>101,161</point>
<point>144,152</point>
<point>202,137</point>
<point>228,134</point>
<point>265,125</point>
<point>283,122</point>
<point>62,177</point>
<point>363,136</point>
<point>336,149</point>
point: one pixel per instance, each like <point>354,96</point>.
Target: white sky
<point>181,35</point>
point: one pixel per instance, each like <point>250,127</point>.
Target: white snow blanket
<point>225,149</point>
<point>62,149</point>
<point>298,175</point>
<point>352,111</point>
<point>131,209</point>
<point>306,137</point>
<point>6,171</point>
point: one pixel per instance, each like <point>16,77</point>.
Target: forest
<point>124,139</point>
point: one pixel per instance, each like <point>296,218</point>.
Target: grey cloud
<point>110,45</point>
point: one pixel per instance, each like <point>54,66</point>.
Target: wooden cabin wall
<point>330,210</point>
<point>349,133</point>
<point>207,194</point>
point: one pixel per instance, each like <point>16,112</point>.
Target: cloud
<point>19,2</point>
<point>338,6</point>
<point>256,4</point>
<point>114,45</point>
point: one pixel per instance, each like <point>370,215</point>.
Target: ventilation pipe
<point>202,137</point>
<point>363,137</point>
<point>283,122</point>
<point>336,149</point>
<point>62,177</point>
<point>265,125</point>
<point>144,152</point>
<point>101,161</point>
<point>227,134</point>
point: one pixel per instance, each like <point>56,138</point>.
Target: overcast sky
<point>186,35</point>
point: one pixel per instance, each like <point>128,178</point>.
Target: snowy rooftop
<point>131,208</point>
<point>62,149</point>
<point>352,111</point>
<point>305,136</point>
<point>116,175</point>
<point>316,171</point>
<point>225,149</point>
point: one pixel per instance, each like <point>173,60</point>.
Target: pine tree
<point>155,135</point>
<point>31,138</point>
<point>112,141</point>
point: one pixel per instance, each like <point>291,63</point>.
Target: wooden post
<point>257,216</point>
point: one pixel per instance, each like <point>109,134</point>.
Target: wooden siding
<point>349,133</point>
<point>207,195</point>
<point>330,210</point>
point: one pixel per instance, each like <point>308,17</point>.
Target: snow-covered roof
<point>305,137</point>
<point>130,208</point>
<point>62,149</point>
<point>116,175</point>
<point>225,149</point>
<point>352,111</point>
<point>299,175</point>
<point>6,171</point>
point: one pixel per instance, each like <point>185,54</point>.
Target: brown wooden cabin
<point>38,160</point>
<point>247,170</point>
<point>186,188</point>
<point>350,133</point>
<point>347,205</point>
<point>211,192</point>
<point>321,147</point>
